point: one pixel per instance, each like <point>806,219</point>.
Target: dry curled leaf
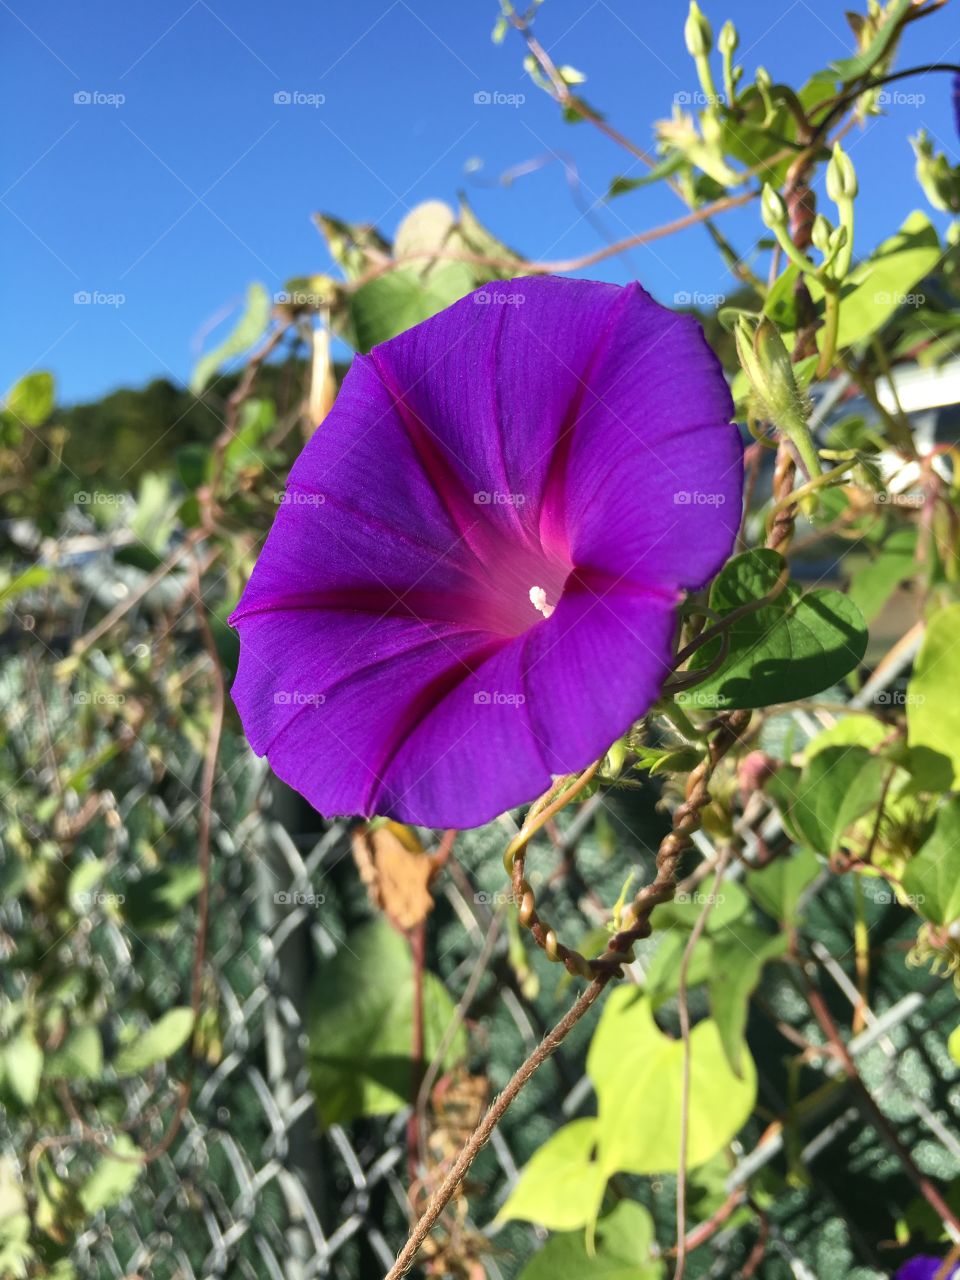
<point>396,871</point>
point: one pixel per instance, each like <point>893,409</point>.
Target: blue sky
<point>182,179</point>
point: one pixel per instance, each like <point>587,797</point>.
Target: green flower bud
<point>697,32</point>
<point>728,39</point>
<point>773,211</point>
<point>841,176</point>
<point>769,369</point>
<point>838,238</point>
<point>820,233</point>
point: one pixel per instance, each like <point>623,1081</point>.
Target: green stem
<point>831,328</point>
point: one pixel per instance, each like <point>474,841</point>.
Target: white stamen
<point>538,598</point>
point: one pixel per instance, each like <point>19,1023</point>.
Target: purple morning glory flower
<point>922,1267</point>
<point>471,582</point>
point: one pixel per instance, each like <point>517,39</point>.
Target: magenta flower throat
<point>471,582</point>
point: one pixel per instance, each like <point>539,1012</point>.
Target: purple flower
<point>922,1267</point>
<point>472,579</point>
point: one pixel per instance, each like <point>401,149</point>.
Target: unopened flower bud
<point>728,39</point>
<point>820,233</point>
<point>697,32</point>
<point>766,362</point>
<point>841,176</point>
<point>773,211</point>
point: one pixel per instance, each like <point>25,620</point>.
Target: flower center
<point>538,598</point>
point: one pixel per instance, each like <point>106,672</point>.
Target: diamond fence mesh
<point>245,1179</point>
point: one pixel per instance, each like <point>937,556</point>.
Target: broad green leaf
<point>252,323</point>
<point>875,288</point>
<point>778,887</point>
<point>562,1186</point>
<point>22,1064</point>
<point>624,1250</point>
<point>662,978</point>
<point>361,1026</point>
<point>424,230</point>
<point>933,694</point>
<point>31,399</point>
<point>727,904</point>
<point>391,303</point>
<point>168,1034</point>
<point>854,730</point>
<point>638,1075</point>
<point>872,585</point>
<point>112,1180</point>
<point>793,647</point>
<point>932,876</point>
<point>79,1057</point>
<point>836,788</point>
<point>739,953</point>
